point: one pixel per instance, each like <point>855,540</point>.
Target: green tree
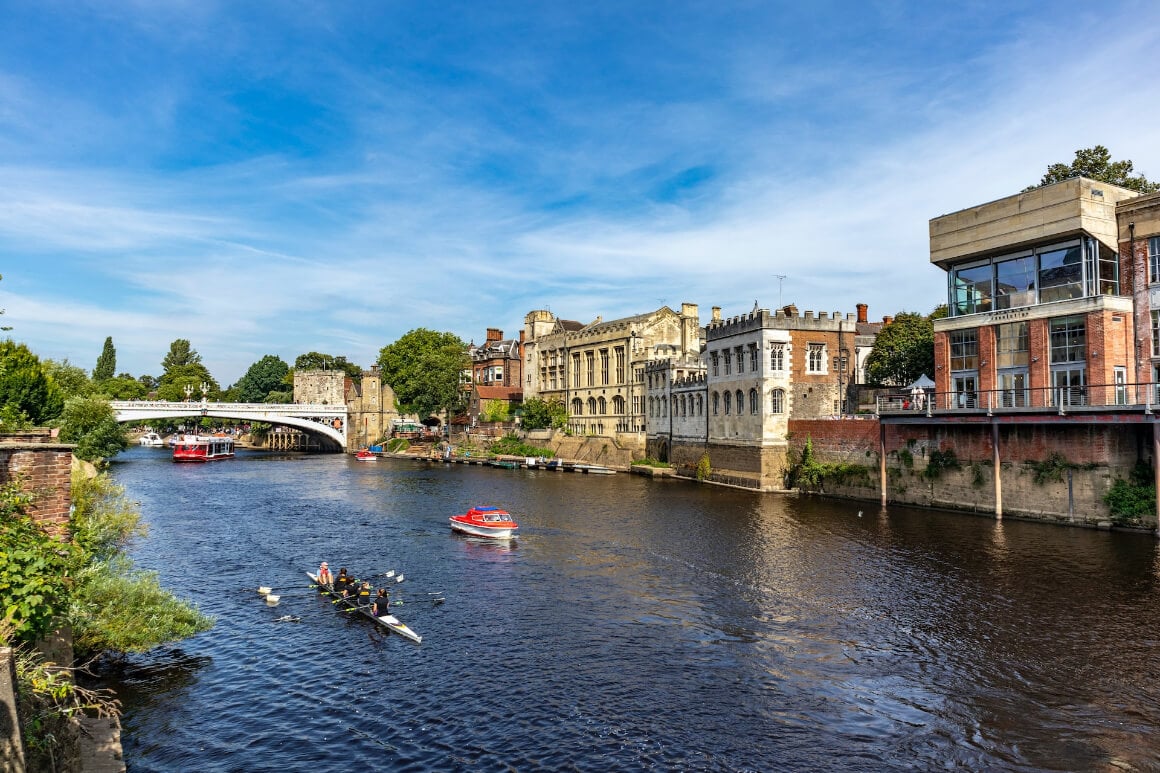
<point>319,361</point>
<point>91,423</point>
<point>1096,164</point>
<point>71,379</point>
<point>424,368</point>
<point>34,567</point>
<point>106,363</point>
<point>903,351</point>
<point>172,385</point>
<point>542,414</point>
<point>25,386</point>
<point>181,354</point>
<point>123,387</point>
<point>264,377</point>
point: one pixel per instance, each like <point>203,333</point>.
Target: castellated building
<point>597,370</point>
<point>756,372</point>
<point>370,403</point>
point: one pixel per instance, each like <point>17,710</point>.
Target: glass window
<point>777,401</point>
<point>576,370</point>
<point>753,358</point>
<point>1108,267</point>
<point>713,356</point>
<point>740,403</point>
<point>590,361</point>
<point>1068,338</point>
<point>1154,260</point>
<point>754,401</point>
<point>1156,334</point>
<point>971,289</point>
<point>777,357</point>
<point>964,349</point>
<point>1011,345</point>
<point>715,403</point>
<point>1015,283</point>
<point>1060,275</point>
<point>815,358</point>
<point>728,365</point>
<point>728,401</point>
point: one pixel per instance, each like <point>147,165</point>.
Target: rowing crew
<point>360,593</point>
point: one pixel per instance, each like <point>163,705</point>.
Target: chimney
<point>716,313</point>
<point>862,307</point>
<point>886,320</point>
<point>494,334</point>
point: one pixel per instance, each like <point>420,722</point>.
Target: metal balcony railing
<point>1063,399</point>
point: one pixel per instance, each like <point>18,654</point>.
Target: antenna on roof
<point>780,278</point>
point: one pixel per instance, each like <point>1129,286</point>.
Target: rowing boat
<point>389,622</point>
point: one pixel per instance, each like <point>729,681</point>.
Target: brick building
<point>498,362</point>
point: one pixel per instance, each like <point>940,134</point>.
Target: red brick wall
<point>43,467</point>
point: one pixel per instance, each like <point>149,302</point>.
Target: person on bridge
<point>324,576</point>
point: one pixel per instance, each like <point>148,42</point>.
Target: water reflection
<point>636,625</point>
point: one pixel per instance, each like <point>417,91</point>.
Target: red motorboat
<point>197,448</point>
<point>485,522</point>
<point>366,455</point>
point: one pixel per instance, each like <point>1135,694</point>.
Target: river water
<point>634,625</point>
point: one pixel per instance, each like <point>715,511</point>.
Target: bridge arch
<point>326,421</point>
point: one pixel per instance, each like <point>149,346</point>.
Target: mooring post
<point>882,460</point>
<point>998,470</point>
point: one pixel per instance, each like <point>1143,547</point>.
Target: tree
<point>91,423</point>
<point>71,379</point>
<point>263,377</point>
<point>542,414</point>
<point>25,386</point>
<point>106,363</point>
<point>319,361</point>
<point>424,368</point>
<point>172,385</point>
<point>1096,164</point>
<point>180,355</point>
<point>123,387</point>
<point>903,351</point>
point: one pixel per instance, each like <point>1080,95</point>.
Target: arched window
<point>753,401</point>
<point>664,406</point>
<point>592,406</point>
<point>728,400</point>
<point>684,406</point>
<point>618,405</point>
<point>716,398</point>
<point>700,405</point>
<point>577,407</point>
<point>740,403</point>
<point>602,406</point>
<point>777,401</point>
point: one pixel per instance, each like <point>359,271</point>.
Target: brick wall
<point>44,467</point>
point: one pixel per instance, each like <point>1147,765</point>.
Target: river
<point>634,625</point>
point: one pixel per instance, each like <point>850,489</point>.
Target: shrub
<point>704,469</point>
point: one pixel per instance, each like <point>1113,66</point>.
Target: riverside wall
<point>1050,472</point>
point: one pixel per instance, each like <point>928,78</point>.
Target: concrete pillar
<point>997,462</point>
<point>882,460</point>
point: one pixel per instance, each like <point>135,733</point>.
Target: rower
<point>382,603</point>
<point>324,576</point>
<point>364,594</point>
<point>342,583</point>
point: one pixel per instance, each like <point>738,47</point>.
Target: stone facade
<point>320,387</point>
<point>370,403</point>
<point>597,370</point>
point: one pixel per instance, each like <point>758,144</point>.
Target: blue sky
<point>285,177</point>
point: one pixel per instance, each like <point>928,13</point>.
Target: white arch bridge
<point>327,421</point>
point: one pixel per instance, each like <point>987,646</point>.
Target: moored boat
<point>485,522</point>
<point>151,439</point>
<point>365,455</point>
<point>200,448</point>
<point>390,622</point>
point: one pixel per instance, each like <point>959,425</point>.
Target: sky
<point>282,177</point>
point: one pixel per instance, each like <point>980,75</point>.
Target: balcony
<point>1142,399</point>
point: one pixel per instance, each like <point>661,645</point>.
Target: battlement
<point>783,319</point>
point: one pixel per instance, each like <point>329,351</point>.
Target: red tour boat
<point>197,448</point>
<point>485,522</point>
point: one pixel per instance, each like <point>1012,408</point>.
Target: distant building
<point>370,403</point>
<point>498,361</point>
<point>597,370</point>
<point>756,372</point>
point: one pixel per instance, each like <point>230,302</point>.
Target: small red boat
<point>366,455</point>
<point>196,448</point>
<point>485,522</point>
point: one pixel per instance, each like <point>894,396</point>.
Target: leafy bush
<point>1133,498</point>
<point>704,469</point>
<point>650,462</point>
<point>939,461</point>
<point>511,445</point>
